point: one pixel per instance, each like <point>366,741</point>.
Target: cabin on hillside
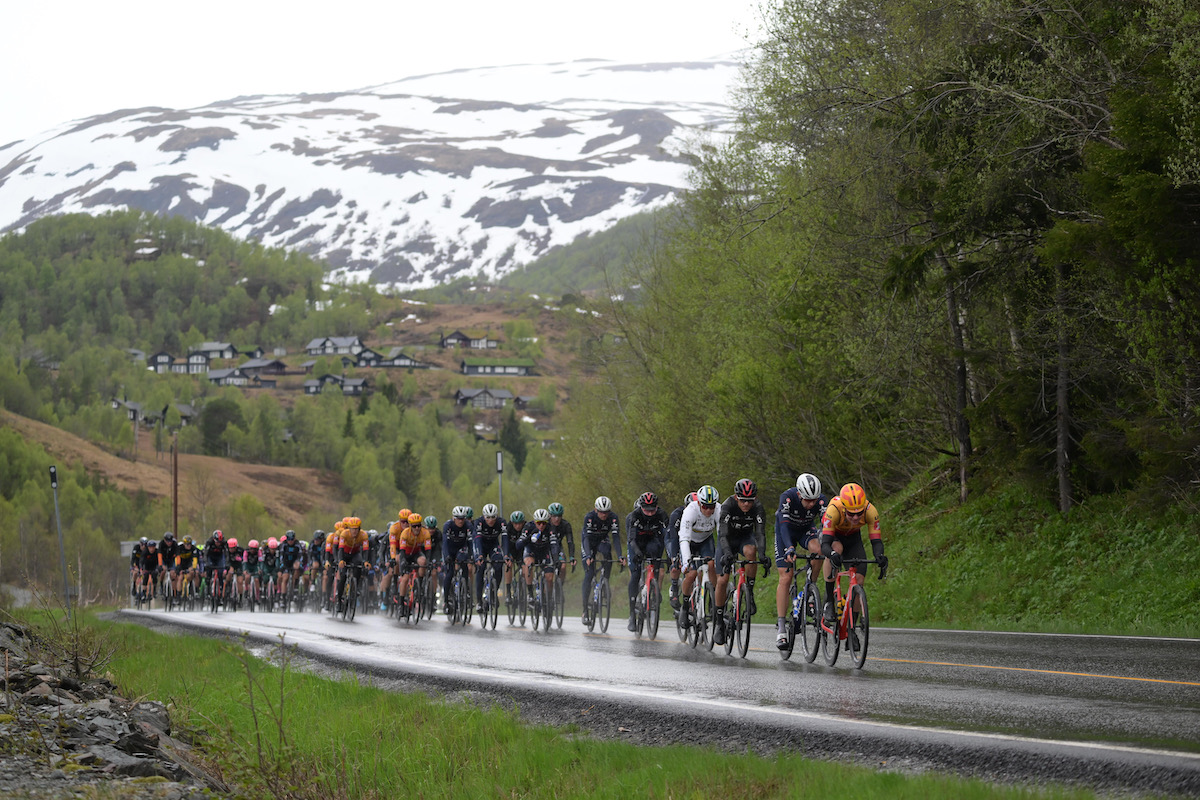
<point>475,340</point>
<point>317,385</point>
<point>228,377</point>
<point>161,362</point>
<point>483,398</point>
<point>398,358</point>
<point>215,350</point>
<point>334,346</point>
<point>497,366</point>
<point>263,366</point>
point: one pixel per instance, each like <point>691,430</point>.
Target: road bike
<point>489,598</point>
<point>542,605</point>
<point>692,625</point>
<point>737,623</point>
<point>348,597</point>
<point>599,605</point>
<point>560,598</point>
<point>458,598</point>
<point>649,600</point>
<point>803,613</point>
<point>852,622</point>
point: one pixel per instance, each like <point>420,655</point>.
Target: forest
<point>953,243</point>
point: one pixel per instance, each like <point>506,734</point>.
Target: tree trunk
<point>1062,416</point>
<point>962,427</point>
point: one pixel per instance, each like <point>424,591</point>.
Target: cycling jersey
<point>596,530</point>
<point>457,530</point>
<point>565,534</point>
<point>540,544</point>
<point>289,553</point>
<point>694,526</point>
<point>835,524</point>
<point>490,536</point>
<point>185,557</point>
<point>215,552</point>
<point>149,559</point>
<point>738,526</point>
<point>672,536</point>
<point>645,531</point>
<point>354,540</point>
<point>414,539</point>
<point>251,558</point>
<point>168,548</point>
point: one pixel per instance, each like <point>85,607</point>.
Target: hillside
<point>288,493</point>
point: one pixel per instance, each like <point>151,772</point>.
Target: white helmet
<point>808,486</point>
<point>490,510</point>
<point>458,512</point>
<point>541,515</point>
<point>603,503</point>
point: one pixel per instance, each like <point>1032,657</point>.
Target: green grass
<point>338,738</point>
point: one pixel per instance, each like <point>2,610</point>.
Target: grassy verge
<point>283,733</point>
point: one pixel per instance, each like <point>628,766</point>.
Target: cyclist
<point>512,554</point>
<point>566,534</point>
<point>291,560</point>
<point>645,532</point>
<point>150,567</point>
<point>797,527</point>
<point>185,564</point>
<point>741,531</point>
<point>167,548</point>
<point>333,546</point>
<point>697,529</point>
<point>841,537</point>
<point>394,530</point>
<point>540,545</point>
<point>672,542</point>
<point>216,555</point>
<point>251,563</point>
<point>457,539</point>
<point>135,566</point>
<point>352,552</point>
<point>413,550</point>
<point>270,566</point>
<point>599,536</point>
<point>491,541</point>
<point>316,559</point>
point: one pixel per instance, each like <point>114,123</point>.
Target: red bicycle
<point>852,623</point>
<point>649,599</point>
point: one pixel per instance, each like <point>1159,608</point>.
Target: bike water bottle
<point>796,606</point>
<point>841,606</point>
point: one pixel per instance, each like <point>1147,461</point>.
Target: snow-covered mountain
<point>409,183</point>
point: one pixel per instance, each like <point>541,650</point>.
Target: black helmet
<point>290,536</point>
<point>170,537</point>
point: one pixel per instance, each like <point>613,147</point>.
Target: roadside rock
<point>67,736</point>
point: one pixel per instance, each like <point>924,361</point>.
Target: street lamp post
<point>500,478</point>
<point>62,553</point>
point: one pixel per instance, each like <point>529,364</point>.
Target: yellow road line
<point>1043,671</point>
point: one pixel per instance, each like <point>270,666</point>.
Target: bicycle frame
<point>852,623</point>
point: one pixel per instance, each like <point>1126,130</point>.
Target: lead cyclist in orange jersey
<point>841,537</point>
<point>333,543</point>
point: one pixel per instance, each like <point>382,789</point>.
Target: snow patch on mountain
<point>409,183</point>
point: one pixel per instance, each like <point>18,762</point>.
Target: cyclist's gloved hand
<point>835,558</point>
<point>883,564</point>
<point>727,561</point>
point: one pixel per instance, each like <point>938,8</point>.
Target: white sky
<point>66,59</point>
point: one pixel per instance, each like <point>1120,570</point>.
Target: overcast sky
<point>66,59</point>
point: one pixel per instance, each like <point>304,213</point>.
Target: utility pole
<point>175,485</point>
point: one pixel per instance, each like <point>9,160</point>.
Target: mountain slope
<point>411,183</point>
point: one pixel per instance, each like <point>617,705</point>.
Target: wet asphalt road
<point>1116,712</point>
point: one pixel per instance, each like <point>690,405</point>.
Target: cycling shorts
<point>704,549</point>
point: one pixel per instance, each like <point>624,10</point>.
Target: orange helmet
<point>414,519</point>
<point>353,522</point>
<point>853,498</point>
<point>405,513</point>
<point>337,526</point>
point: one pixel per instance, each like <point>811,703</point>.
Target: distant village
<point>260,371</point>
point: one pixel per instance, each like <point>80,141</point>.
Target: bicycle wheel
<point>522,601</point>
<point>710,616</point>
<point>809,621</point>
<point>605,612</point>
<point>639,612</point>
<point>417,598</point>
<point>859,626</point>
<point>547,602</point>
<point>535,612</point>
<point>486,599</point>
<point>466,598</point>
<point>430,596</point>
<point>560,602</point>
<point>652,609</point>
<point>593,607</point>
<point>681,627</point>
<point>742,622</point>
<point>831,643</point>
<point>789,623</point>
<point>352,602</point>
<point>510,601</point>
<point>696,623</point>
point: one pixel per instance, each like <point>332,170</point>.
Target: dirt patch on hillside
<point>288,493</point>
